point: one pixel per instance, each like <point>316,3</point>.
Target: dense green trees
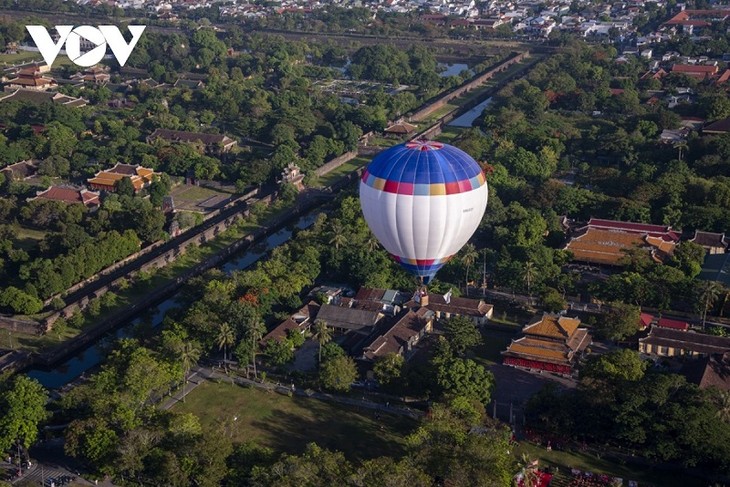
<point>658,415</point>
<point>22,409</point>
<point>338,373</point>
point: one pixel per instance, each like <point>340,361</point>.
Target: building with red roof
<point>65,194</point>
<point>673,324</point>
<point>605,242</point>
<point>697,71</point>
<point>551,342</point>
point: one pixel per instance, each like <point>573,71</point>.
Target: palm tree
<point>323,334</point>
<point>723,406</point>
<point>255,332</point>
<point>681,146</point>
<point>189,353</point>
<point>468,257</point>
<point>226,338</point>
<point>709,292</point>
<point>338,235</point>
<point>529,275</point>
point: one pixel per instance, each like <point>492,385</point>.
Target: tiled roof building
<point>698,71</point>
<point>605,241</point>
<point>300,321</point>
<point>106,180</point>
<point>70,195</point>
<point>20,170</point>
<point>669,342</point>
<point>214,143</point>
<point>402,336</point>
<point>348,319</point>
<point>32,96</point>
<point>714,243</point>
<point>551,343</point>
<point>30,79</point>
<point>710,371</point>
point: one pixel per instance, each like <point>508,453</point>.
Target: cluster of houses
<point>376,322</point>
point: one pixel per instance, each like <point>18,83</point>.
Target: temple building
<point>605,242</point>
<point>106,180</point>
<point>30,79</point>
<point>66,194</point>
<point>551,342</point>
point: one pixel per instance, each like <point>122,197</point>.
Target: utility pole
<point>484,275</point>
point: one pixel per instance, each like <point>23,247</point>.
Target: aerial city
<point>344,243</point>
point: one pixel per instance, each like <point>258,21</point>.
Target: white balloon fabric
<point>423,200</point>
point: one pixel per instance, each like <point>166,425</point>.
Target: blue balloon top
<point>424,162</point>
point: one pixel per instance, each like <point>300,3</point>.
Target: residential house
<point>713,243</point>
<point>301,322</point>
<point>66,194</point>
<point>551,342</point>
<point>669,342</point>
<point>214,143</point>
<point>401,337</point>
<point>141,177</point>
<point>606,241</point>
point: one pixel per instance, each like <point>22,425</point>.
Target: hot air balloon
<point>423,200</point>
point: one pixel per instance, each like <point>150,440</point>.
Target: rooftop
<point>70,195</point>
<point>710,371</point>
<point>348,318</point>
<point>686,340</point>
<point>708,239</point>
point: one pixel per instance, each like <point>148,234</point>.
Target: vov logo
<point>99,36</point>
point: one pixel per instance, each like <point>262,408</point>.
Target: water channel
<point>467,119</point>
<point>84,360</point>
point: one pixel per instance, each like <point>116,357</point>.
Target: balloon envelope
<point>423,200</point>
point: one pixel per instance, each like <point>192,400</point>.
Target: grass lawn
<point>188,197</point>
<point>449,134</point>
<point>27,238</point>
<point>583,461</point>
<point>348,167</point>
<point>20,56</point>
<point>493,342</point>
<point>287,424</point>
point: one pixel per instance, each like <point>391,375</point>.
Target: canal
<point>467,119</point>
<point>75,366</point>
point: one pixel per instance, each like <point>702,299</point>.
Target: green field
<point>287,424</point>
<point>335,174</point>
<point>27,238</point>
<point>493,343</point>
<point>21,56</point>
